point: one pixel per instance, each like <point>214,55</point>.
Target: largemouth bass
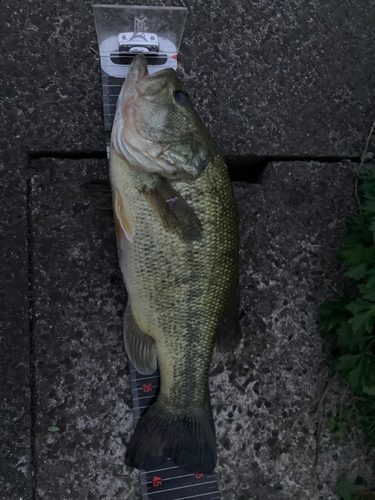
<point>175,219</point>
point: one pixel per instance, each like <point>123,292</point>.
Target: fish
<point>177,235</point>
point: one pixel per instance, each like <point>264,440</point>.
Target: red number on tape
<point>156,481</point>
<point>147,387</point>
<point>199,476</point>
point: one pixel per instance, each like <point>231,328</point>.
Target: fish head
<point>156,126</point>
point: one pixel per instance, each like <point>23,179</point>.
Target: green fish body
<point>175,218</point>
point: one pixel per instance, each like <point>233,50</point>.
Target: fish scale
<point>193,309</point>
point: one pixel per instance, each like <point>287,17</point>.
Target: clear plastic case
<point>126,30</point>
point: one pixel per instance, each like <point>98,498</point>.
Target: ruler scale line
<point>183,475</point>
<point>179,488</point>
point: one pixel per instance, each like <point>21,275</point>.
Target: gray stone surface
<point>15,398</point>
<point>264,393</point>
<point>278,77</point>
<point>286,78</point>
<point>83,400</point>
<point>50,80</point>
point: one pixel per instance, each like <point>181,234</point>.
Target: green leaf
<point>368,292</point>
<point>332,315</point>
<point>351,321</point>
<point>368,373</point>
<point>369,390</point>
<point>371,272</point>
<point>370,281</point>
<point>331,423</point>
<point>369,205</point>
<point>341,431</point>
<point>354,379</point>
<point>347,340</point>
<point>363,321</point>
<point>358,230</point>
<point>372,226</point>
<point>358,305</point>
<point>345,488</point>
<point>359,255</point>
<point>52,428</point>
<point>357,272</point>
<point>348,362</point>
<point>357,369</point>
<point>365,418</point>
<point>339,426</point>
<point>368,174</point>
<point>348,366</point>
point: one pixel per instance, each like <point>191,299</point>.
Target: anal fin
<point>139,347</point>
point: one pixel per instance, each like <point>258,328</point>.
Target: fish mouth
<point>139,67</point>
<point>137,71</point>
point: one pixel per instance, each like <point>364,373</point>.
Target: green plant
<point>345,488</point>
<point>340,424</point>
<point>350,321</point>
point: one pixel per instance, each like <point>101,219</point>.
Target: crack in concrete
<point>29,243</point>
<point>67,155</point>
<point>242,168</point>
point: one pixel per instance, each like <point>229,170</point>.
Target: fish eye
<point>181,97</point>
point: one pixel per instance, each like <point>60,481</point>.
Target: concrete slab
<point>50,80</point>
<point>15,390</point>
<point>282,78</point>
<point>83,408</point>
<point>263,393</point>
<point>266,391</point>
<point>290,78</point>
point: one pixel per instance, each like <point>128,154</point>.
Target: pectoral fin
<point>176,215</point>
<point>121,220</point>
<point>139,347</point>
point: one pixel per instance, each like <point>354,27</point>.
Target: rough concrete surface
<point>15,401</point>
<point>264,393</point>
<point>286,78</point>
<point>50,80</point>
<point>82,384</point>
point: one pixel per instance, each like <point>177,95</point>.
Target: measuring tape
<point>169,481</point>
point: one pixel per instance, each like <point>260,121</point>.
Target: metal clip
<point>138,42</point>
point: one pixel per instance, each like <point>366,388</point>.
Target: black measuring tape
<point>169,481</point>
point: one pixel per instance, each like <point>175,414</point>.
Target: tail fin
<point>189,440</point>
